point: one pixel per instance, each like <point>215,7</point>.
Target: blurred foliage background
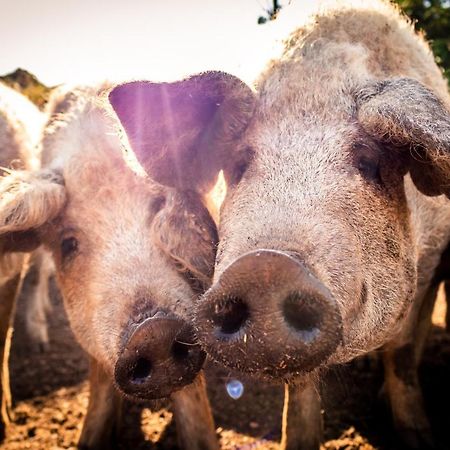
<point>26,83</point>
<point>433,18</point>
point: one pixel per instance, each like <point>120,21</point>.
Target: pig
<point>130,257</point>
<point>20,126</point>
<point>335,224</point>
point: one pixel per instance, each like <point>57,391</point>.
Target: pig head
<point>131,256</point>
<point>318,254</point>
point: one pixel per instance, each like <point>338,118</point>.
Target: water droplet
<point>235,389</point>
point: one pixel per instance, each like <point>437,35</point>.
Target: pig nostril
<point>300,315</point>
<point>180,350</point>
<point>230,316</point>
<point>141,371</point>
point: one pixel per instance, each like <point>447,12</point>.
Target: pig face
<point>317,260</point>
<point>131,256</point>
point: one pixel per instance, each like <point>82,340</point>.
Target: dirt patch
<point>51,394</point>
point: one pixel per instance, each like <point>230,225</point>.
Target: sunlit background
<point>84,41</point>
<point>80,41</point>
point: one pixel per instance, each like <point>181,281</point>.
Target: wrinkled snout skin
<point>275,289</point>
<point>160,348</point>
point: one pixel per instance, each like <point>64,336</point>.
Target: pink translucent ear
<point>180,132</point>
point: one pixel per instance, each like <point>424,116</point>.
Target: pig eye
<point>68,247</point>
<point>241,168</point>
<point>242,165</point>
<point>239,171</point>
<point>368,163</point>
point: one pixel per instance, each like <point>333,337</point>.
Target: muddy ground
<point>51,394</point>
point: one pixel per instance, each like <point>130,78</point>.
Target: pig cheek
<point>402,289</point>
<point>388,288</point>
<point>397,267</point>
<point>82,309</point>
<point>80,317</point>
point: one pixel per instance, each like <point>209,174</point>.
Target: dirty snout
<point>269,315</point>
<point>160,356</point>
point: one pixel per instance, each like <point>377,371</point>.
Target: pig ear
<point>185,231</point>
<point>27,201</point>
<point>407,115</point>
<point>181,132</point>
